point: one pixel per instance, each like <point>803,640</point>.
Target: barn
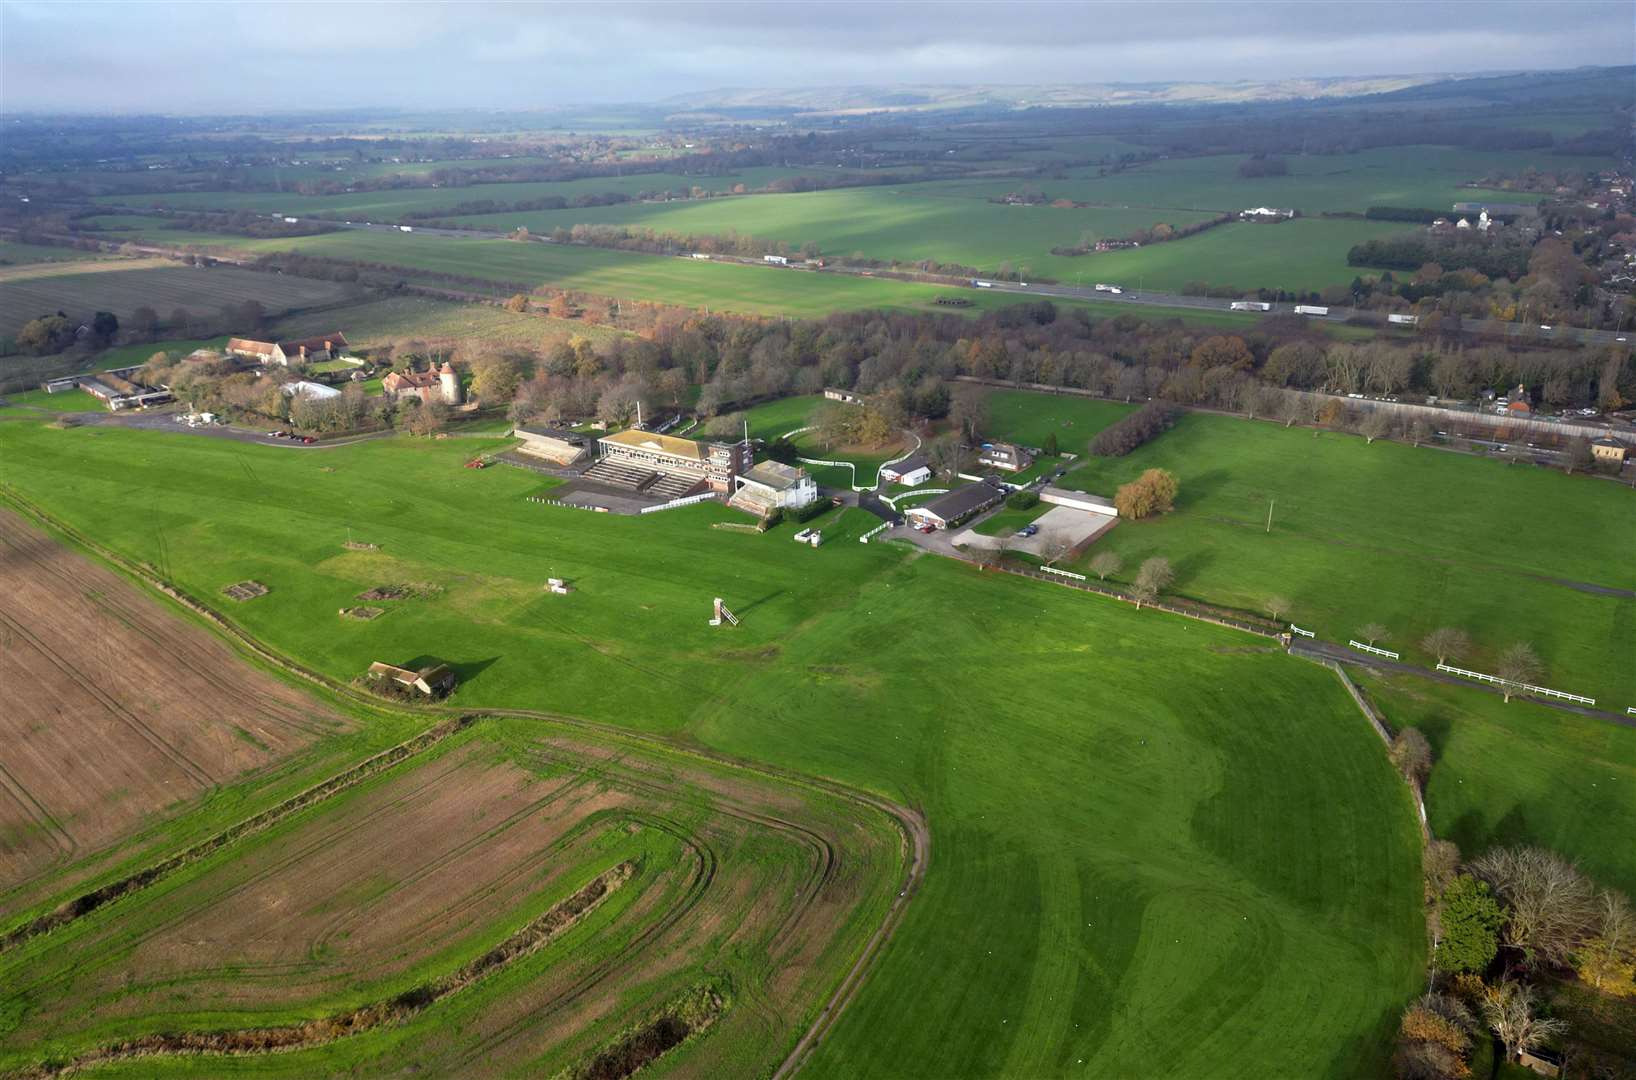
<point>912,471</point>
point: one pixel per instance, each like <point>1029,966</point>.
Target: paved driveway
<point>1079,526</point>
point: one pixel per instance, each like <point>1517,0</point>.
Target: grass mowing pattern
<point>1160,842</point>
<point>1521,773</point>
<point>1410,538</point>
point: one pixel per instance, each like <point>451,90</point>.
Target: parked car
<point>1028,530</point>
<point>308,439</point>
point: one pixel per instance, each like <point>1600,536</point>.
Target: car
<point>1542,326</point>
<point>277,434</point>
<point>1028,530</point>
<point>308,439</point>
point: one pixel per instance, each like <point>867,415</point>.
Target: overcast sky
<point>218,56</point>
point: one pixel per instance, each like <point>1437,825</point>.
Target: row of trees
<point>1142,426</point>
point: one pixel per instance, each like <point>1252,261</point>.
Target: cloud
<point>281,55</point>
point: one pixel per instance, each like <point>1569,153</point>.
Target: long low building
<point>958,505</point>
<point>1078,500</point>
<point>557,445</point>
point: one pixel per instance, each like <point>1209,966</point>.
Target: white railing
<point>1527,687</point>
<point>686,500</point>
<point>1304,633</point>
<point>1371,649</point>
<point>1063,573</point>
<point>1631,709</point>
<point>882,527</point>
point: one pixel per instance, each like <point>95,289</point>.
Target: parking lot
<point>1080,527</point>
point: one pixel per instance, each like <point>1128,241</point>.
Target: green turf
<point>68,401</point>
<point>1027,418</point>
<point>1522,773</point>
<point>13,253</point>
<point>1160,842</point>
<point>1409,538</point>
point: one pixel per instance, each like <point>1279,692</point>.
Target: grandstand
<point>666,466</point>
<point>643,480</point>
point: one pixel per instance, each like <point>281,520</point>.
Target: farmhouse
<point>1006,456</point>
<point>773,486</point>
<point>433,384</point>
<point>306,350</point>
<point>846,396</point>
<point>556,445</point>
<point>434,681</point>
<point>957,505</point>
<point>1609,450</point>
<point>1078,500</point>
<point>912,471</point>
<point>667,466</point>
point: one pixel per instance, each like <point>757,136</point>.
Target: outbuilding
<point>1078,500</point>
<point>1610,450</point>
<point>912,471</point>
<point>956,506</point>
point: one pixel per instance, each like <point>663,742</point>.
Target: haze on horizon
<point>276,55</point>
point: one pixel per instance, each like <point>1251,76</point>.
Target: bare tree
<point>1447,643</point>
<point>1277,607</point>
<point>1551,905</point>
<point>1511,1011</point>
<point>1152,579</point>
<point>1372,632</point>
<point>1519,665</point>
<point>989,557</point>
<point>1105,563</point>
<point>1440,862</point>
<point>1055,546</point>
<point>1412,755</point>
<point>1376,425</point>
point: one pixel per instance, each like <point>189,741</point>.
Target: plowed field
<point>115,710</point>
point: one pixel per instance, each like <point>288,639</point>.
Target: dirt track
<point>115,709</point>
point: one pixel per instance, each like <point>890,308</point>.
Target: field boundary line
<point>915,835</point>
<point>87,902</point>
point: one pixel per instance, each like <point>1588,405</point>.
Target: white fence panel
<point>1063,573</point>
<point>1547,691</point>
<point>1388,653</point>
<point>687,500</point>
<point>882,527</point>
<point>1304,633</point>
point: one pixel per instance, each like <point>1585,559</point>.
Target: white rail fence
<point>882,527</point>
<point>1388,653</point>
<point>1063,573</point>
<point>1304,633</point>
<point>686,500</point>
<point>1497,681</point>
<point>892,500</point>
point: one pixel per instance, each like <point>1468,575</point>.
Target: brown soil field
<point>116,712</point>
<point>391,888</point>
<point>125,286</point>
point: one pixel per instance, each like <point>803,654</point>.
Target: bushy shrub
<point>1022,500</point>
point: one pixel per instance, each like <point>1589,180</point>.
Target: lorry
<point>1114,289</point>
<point>406,228</point>
<point>982,284</point>
<point>1311,309</point>
<point>1403,320</point>
<point>1250,305</point>
<point>776,260</point>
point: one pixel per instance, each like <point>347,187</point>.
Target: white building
<point>771,485</point>
<point>310,390</point>
<point>912,471</point>
<point>1078,500</point>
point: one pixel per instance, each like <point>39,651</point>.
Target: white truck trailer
<point>1249,305</point>
<point>1403,320</point>
<point>1311,309</point>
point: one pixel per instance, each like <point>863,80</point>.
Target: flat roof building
<point>958,505</point>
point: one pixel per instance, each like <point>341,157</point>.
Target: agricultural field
<point>128,714</point>
<point>1521,773</point>
<point>1174,871</point>
<point>162,286</point>
<point>13,253</point>
<point>390,205</point>
<point>877,222</point>
<point>516,898</point>
<point>442,321</point>
<point>1387,533</point>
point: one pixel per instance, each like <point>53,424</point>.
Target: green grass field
<point>1025,417</point>
<point>1521,773</point>
<point>1162,842</point>
<point>13,253</point>
<point>391,204</point>
<point>1409,538</point>
<point>67,401</point>
<point>878,223</point>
